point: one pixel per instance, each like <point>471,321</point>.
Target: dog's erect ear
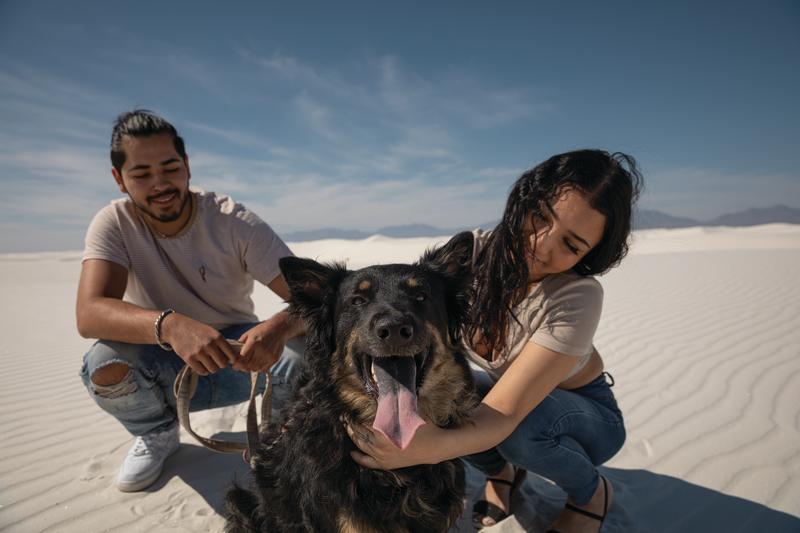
<point>454,258</point>
<point>309,282</point>
<point>453,262</point>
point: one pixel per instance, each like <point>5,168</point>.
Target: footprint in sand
<point>174,513</point>
<point>93,469</point>
<point>175,496</point>
<point>645,446</point>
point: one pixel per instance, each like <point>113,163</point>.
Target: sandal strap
<point>519,477</point>
<point>482,508</point>
<point>501,481</point>
<point>516,481</point>
<point>584,512</point>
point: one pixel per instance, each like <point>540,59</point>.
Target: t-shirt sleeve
<point>571,318</point>
<point>262,251</point>
<point>104,239</point>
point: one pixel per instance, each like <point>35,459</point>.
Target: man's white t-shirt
<point>205,272</point>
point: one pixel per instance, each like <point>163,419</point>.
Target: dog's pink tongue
<point>397,416</point>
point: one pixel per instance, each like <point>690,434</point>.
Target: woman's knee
<point>523,445</point>
<point>536,435</point>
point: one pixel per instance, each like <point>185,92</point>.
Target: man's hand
<point>202,347</point>
<point>263,344</point>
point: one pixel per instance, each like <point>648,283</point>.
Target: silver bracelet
<point>159,320</point>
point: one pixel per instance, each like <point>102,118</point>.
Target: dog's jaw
<point>366,369</point>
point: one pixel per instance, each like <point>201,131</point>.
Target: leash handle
<point>185,387</point>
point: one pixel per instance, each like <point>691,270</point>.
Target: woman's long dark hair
<point>610,183</point>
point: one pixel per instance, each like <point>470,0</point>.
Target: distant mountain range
<point>643,219</point>
<point>648,219</point>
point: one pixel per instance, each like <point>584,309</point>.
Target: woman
<point>547,407</point>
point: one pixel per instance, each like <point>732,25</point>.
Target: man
<point>166,280</point>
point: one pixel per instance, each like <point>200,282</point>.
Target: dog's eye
<point>358,300</point>
<point>421,297</point>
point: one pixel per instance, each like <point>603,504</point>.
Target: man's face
<point>155,176</point>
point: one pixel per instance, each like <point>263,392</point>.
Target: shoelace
<point>142,444</point>
<point>140,447</point>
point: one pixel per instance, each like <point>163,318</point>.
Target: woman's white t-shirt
<point>561,313</point>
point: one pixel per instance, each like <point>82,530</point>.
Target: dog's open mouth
<point>393,381</point>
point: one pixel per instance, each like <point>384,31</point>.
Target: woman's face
<point>568,229</point>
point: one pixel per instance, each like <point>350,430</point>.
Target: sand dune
<point>701,328</point>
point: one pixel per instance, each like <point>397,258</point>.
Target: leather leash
<point>185,387</point>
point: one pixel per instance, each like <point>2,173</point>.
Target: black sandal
<point>584,512</point>
<point>483,508</point>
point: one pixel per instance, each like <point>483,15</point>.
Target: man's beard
<point>169,217</point>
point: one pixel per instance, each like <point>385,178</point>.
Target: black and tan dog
<point>381,350</point>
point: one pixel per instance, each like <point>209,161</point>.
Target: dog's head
<point>387,335</point>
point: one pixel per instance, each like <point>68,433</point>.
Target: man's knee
<point>110,374</point>
<point>113,380</point>
<point>108,368</point>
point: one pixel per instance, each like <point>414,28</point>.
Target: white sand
<point>701,329</point>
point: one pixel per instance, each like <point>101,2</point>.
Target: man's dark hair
<point>140,123</point>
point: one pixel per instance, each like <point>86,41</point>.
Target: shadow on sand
<point>209,473</point>
<point>650,502</point>
<point>644,501</point>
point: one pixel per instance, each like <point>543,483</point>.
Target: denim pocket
<point>600,391</point>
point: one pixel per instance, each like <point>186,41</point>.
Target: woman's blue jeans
<point>144,400</point>
<point>564,438</point>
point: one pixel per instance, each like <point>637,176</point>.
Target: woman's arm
<point>529,379</point>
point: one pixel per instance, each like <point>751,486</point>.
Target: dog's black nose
<point>394,331</point>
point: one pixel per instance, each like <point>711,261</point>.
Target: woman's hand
<point>378,452</point>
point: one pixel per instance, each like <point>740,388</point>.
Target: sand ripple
<point>703,339</point>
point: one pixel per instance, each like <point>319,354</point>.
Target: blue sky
<point>368,114</point>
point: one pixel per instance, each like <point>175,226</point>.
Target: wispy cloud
<point>318,118</point>
<point>58,163</point>
<point>243,139</point>
<point>454,97</point>
<point>292,200</point>
<point>373,146</point>
<point>313,202</point>
<point>281,68</point>
<point>387,109</point>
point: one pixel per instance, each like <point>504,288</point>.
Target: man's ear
<point>310,282</point>
<point>118,179</point>
<point>454,259</point>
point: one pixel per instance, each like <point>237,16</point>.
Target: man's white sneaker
<point>145,459</point>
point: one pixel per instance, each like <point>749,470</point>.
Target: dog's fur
<point>305,479</point>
